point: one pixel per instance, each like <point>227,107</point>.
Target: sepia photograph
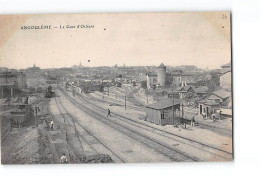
<point>116,88</point>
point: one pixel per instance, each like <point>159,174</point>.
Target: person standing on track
<point>108,113</point>
<point>52,123</point>
<point>63,159</point>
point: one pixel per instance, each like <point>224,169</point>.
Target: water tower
<point>161,75</point>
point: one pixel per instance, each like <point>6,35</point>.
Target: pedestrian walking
<point>63,159</point>
<point>213,117</point>
<point>192,121</point>
<point>108,113</point>
<point>52,123</point>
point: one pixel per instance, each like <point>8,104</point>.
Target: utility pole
<point>36,110</point>
<point>116,95</point>
<point>173,104</point>
<point>108,90</point>
<point>182,110</point>
<point>125,101</point>
<point>147,94</point>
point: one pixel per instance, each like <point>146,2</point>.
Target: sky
<point>200,38</point>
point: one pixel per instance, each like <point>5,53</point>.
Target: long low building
<point>160,112</point>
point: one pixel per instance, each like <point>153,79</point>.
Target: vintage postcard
<point>116,88</point>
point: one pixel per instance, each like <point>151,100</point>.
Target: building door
<point>207,111</point>
<point>200,109</point>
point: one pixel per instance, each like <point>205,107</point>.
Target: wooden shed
<point>160,112</point>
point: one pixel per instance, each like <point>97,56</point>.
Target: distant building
<point>11,82</point>
<point>189,92</point>
<point>151,80</point>
<point>188,79</point>
<point>180,79</point>
<point>176,78</point>
<point>33,72</point>
<point>228,65</point>
<point>225,77</point>
<point>157,79</point>
<point>214,101</point>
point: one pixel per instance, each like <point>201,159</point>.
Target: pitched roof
<point>225,70</point>
<point>226,65</point>
<point>163,104</point>
<point>208,102</point>
<point>187,87</point>
<point>201,89</point>
<point>222,93</point>
<point>161,66</point>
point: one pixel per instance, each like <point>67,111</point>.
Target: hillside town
<point>183,100</point>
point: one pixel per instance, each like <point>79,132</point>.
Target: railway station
<point>118,114</point>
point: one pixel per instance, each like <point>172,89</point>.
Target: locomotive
<point>49,92</point>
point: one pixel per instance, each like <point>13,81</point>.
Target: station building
<point>161,112</point>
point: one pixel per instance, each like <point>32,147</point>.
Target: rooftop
<point>222,93</point>
<point>163,104</point>
<point>228,65</point>
<point>209,102</point>
<point>201,89</point>
<point>161,66</point>
<point>225,70</point>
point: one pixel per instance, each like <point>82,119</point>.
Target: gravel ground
<point>207,136</point>
<point>203,135</point>
<point>126,147</point>
<point>21,147</point>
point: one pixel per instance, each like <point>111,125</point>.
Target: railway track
<point>164,149</point>
<point>204,147</point>
<point>136,105</point>
<point>111,100</point>
<point>77,124</point>
<point>72,157</point>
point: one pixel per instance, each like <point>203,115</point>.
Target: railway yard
<point>85,133</point>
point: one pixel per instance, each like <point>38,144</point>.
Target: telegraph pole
<point>172,107</point>
<point>125,101</point>
<point>147,95</point>
<point>108,90</point>
<point>182,112</point>
<point>36,110</point>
